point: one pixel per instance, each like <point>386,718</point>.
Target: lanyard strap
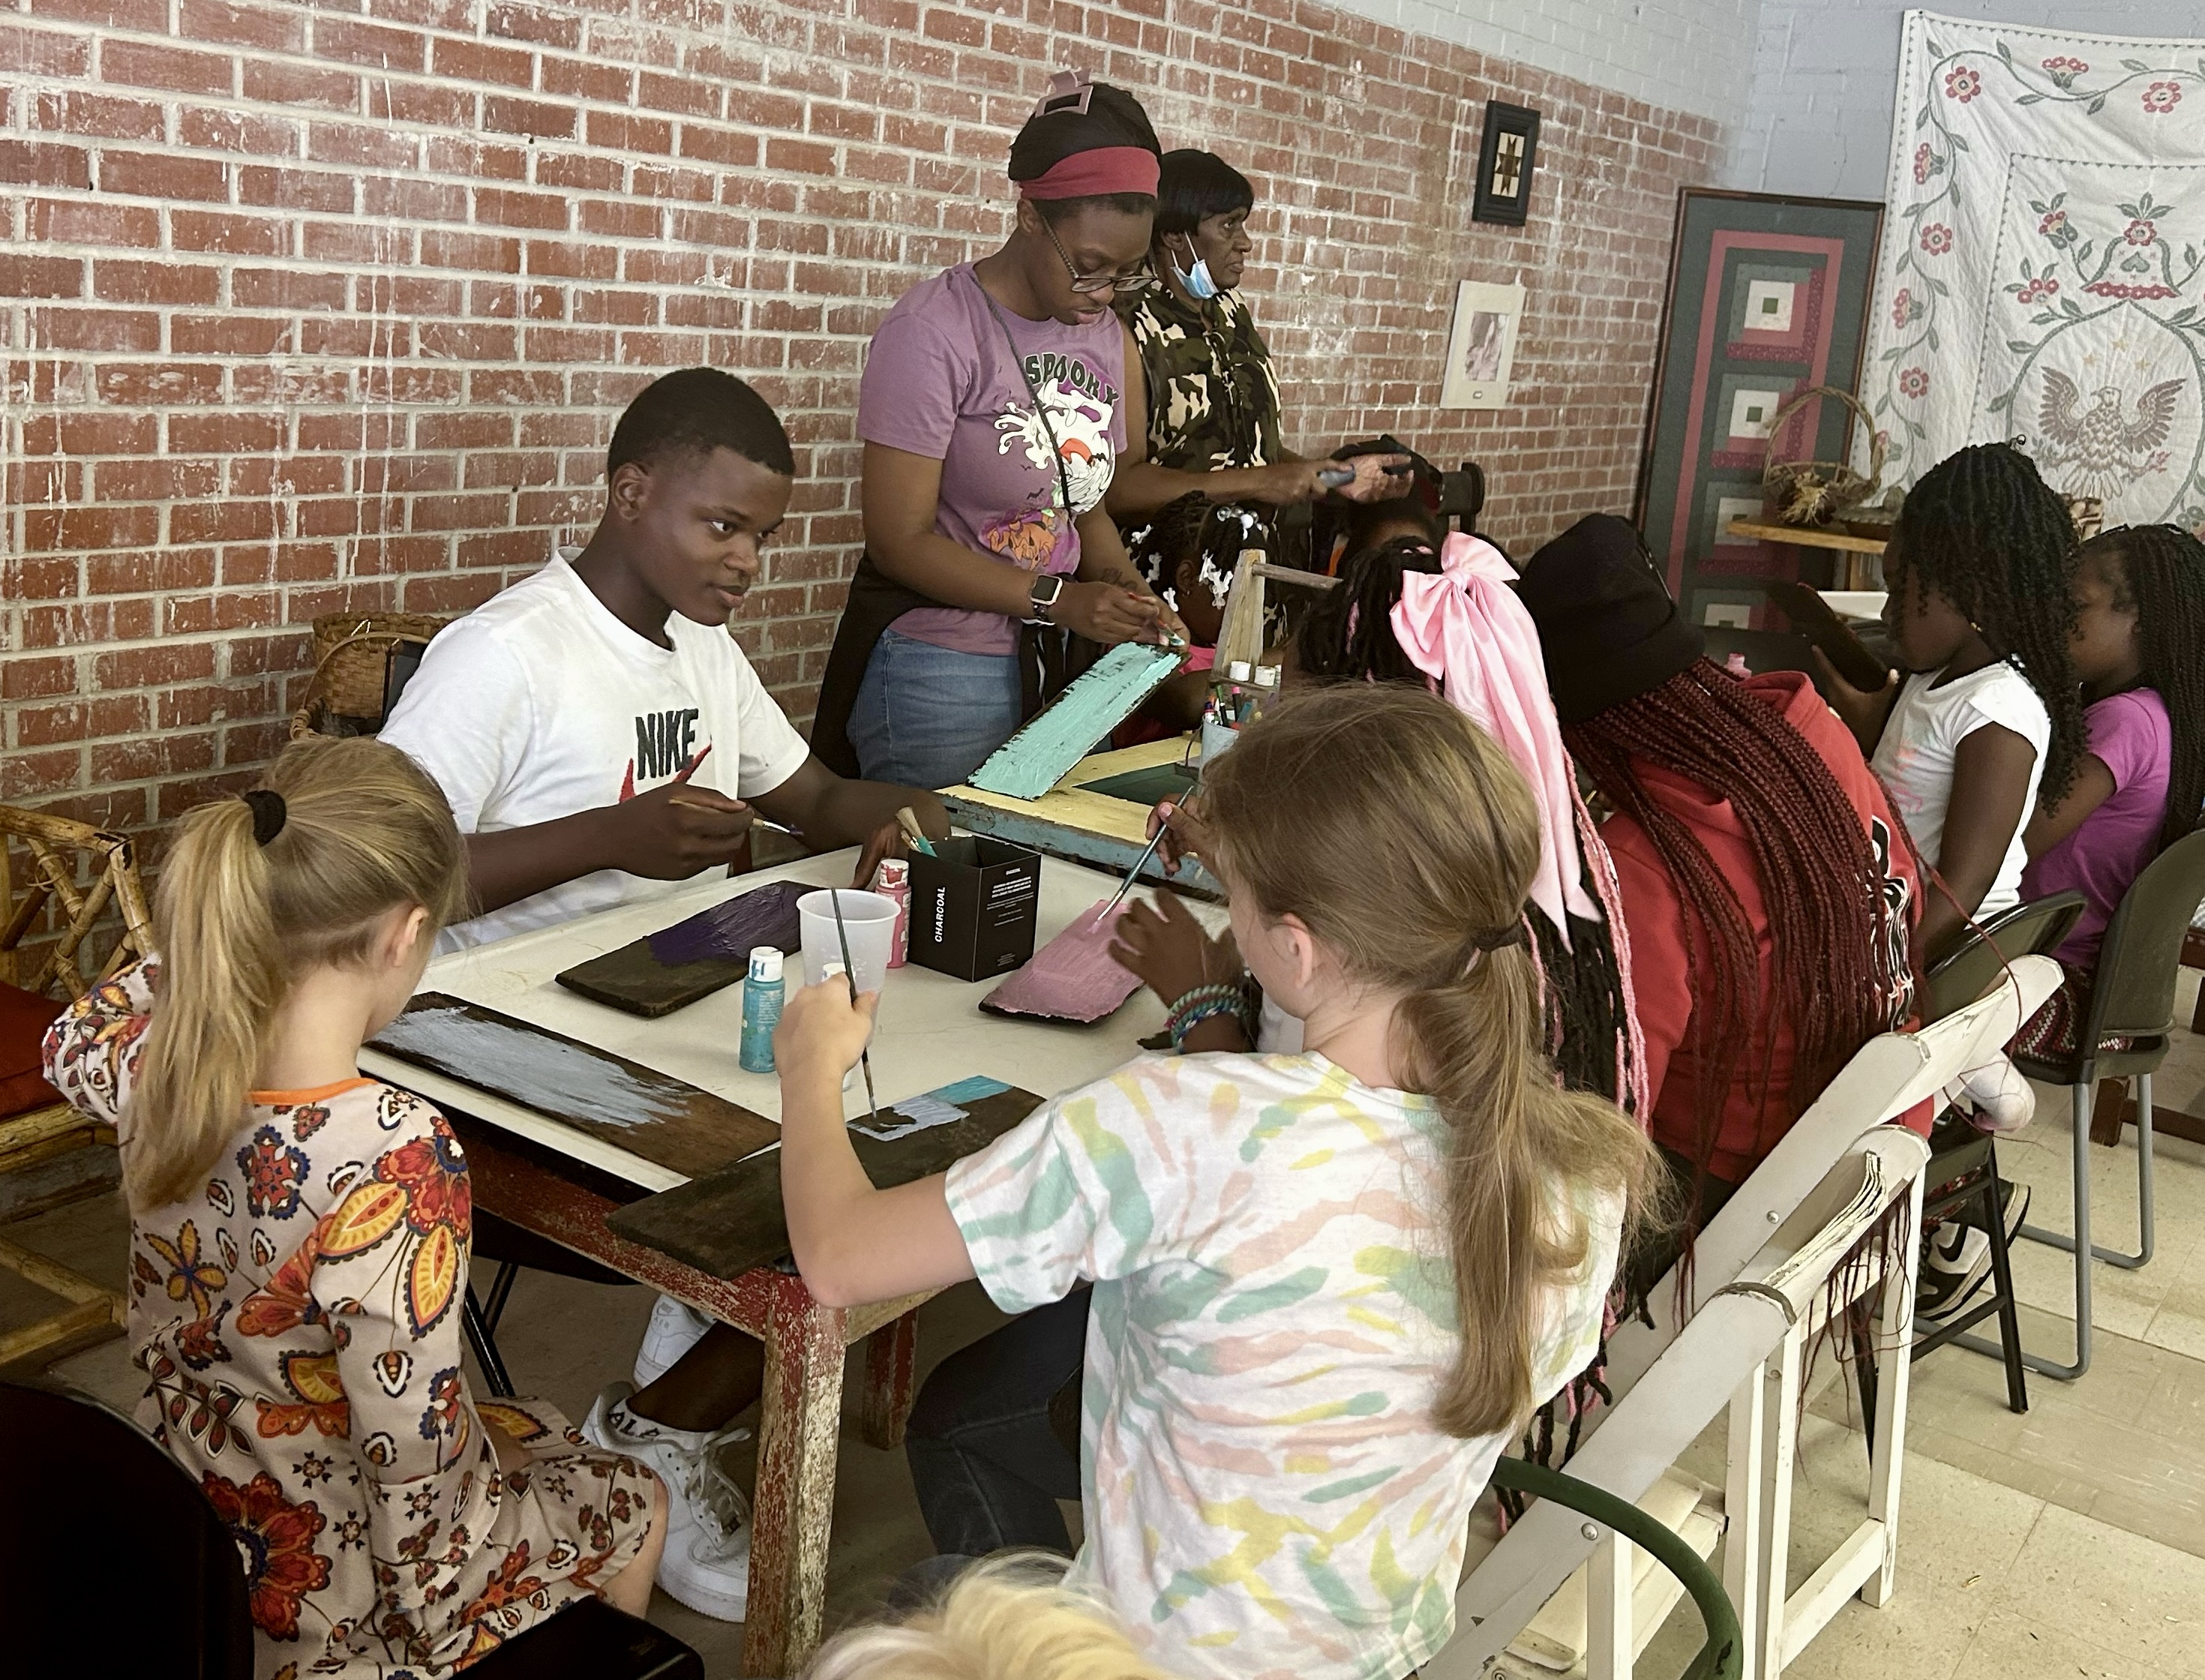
<point>1056,452</point>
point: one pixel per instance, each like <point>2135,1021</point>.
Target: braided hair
<point>1987,534</point>
<point>1349,632</point>
<point>1215,531</point>
<point>2159,573</point>
<point>1348,636</point>
<point>1840,969</point>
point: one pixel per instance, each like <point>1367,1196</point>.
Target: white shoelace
<point>716,1504</point>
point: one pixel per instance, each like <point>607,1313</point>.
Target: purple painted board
<point>732,929</point>
<point>693,958</point>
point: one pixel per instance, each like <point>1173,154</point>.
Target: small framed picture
<point>1482,347</point>
<point>1505,158</point>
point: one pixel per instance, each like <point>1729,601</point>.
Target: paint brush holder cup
<point>973,906</point>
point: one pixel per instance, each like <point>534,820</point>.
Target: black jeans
<point>987,1466</point>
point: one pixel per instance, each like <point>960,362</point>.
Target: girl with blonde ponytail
<point>1327,1287</point>
<point>299,1241</point>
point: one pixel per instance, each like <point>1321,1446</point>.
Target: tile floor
<point>2066,1541</point>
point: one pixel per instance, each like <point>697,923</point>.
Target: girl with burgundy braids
<point>1767,889</point>
<point>2139,654</point>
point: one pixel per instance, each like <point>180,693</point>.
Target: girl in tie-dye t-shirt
<point>1327,1287</point>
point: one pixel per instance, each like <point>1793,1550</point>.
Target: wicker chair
<point>37,1128</point>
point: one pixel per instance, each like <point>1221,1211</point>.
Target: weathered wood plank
<point>648,1113</point>
<point>727,1222</point>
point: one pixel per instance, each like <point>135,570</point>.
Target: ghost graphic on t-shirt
<point>1079,425</point>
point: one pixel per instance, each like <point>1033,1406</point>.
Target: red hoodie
<point>1751,1123</point>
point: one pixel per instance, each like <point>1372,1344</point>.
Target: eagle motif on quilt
<point>2042,267</point>
<point>2101,449</point>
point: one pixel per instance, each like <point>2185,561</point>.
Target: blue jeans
<point>928,716</point>
<point>986,1461</point>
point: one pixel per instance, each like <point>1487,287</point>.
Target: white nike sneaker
<point>707,1562</point>
<point>673,1331</point>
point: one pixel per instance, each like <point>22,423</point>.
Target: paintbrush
<point>1133,875</point>
<point>849,974</point>
<point>907,820</point>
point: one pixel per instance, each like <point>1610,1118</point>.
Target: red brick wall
<point>308,311</point>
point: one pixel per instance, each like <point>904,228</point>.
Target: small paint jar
<point>892,879</point>
<point>764,990</point>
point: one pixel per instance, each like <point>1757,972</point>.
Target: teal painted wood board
<point>1066,731</point>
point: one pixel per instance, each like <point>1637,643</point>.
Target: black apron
<point>1048,659</point>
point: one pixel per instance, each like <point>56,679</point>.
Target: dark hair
<point>2162,576</point>
<point>1841,970</point>
<point>1987,533</point>
<point>1196,185</point>
<point>1348,638</point>
<point>1345,528</point>
<point>1113,117</point>
<point>1057,212</point>
<point>1215,532</point>
<point>1350,630</point>
<point>696,411</point>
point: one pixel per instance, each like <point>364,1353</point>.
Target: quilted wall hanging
<point>2040,274</point>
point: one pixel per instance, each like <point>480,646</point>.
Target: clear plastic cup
<point>869,920</point>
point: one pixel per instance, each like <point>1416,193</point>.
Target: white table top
<point>932,1031</point>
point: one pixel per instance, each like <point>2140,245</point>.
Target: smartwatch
<point>1046,588</point>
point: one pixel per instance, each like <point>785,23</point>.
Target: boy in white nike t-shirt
<point>600,738</point>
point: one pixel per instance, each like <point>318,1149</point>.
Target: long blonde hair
<point>365,832</point>
<point>1009,1618</point>
<point>1406,840</point>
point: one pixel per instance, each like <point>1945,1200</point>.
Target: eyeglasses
<point>1088,285</point>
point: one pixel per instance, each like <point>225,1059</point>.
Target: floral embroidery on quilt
<point>2046,276</point>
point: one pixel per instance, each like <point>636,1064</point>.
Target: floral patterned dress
<point>298,1320</point>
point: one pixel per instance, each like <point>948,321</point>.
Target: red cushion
<point>24,1018</point>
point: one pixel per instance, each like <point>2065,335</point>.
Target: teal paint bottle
<point>762,991</point>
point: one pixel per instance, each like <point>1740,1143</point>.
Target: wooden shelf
<point>1804,536</point>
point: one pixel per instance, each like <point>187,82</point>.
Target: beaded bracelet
<point>1199,1003</point>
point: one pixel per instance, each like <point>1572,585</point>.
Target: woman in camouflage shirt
<point>1203,410</point>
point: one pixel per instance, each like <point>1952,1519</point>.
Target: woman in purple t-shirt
<point>991,412</point>
<point>2140,598</point>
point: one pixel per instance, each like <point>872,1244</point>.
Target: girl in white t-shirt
<point>1984,720</point>
<point>1328,1287</point>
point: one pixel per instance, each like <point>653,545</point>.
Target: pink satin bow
<point>1463,628</point>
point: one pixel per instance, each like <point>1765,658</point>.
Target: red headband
<point>1095,174</point>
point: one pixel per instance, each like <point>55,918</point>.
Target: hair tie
<point>1499,938</point>
<point>269,813</point>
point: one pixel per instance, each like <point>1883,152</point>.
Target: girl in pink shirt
<point>2139,785</point>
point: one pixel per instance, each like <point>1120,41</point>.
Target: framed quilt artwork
<point>1506,155</point>
<point>1767,295</point>
<point>2046,276</point>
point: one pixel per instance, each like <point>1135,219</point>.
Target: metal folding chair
<point>2132,998</point>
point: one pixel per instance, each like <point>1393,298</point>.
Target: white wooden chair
<point>1762,1270</point>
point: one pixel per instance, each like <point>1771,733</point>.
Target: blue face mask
<point>1198,281</point>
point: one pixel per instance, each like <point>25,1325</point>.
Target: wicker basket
<point>1815,492</point>
<point>351,664</point>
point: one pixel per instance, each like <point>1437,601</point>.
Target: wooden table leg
<point>2109,1107</point>
<point>795,1495</point>
<point>890,1353</point>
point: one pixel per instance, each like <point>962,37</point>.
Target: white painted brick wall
<point>1824,81</point>
<point>1685,55</point>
